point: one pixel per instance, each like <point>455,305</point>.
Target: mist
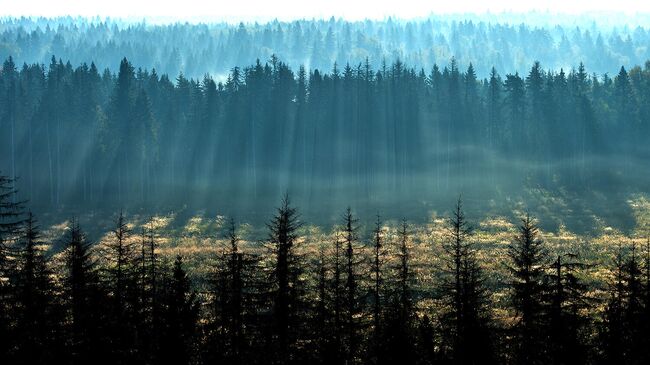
<point>300,182</point>
<point>398,139</point>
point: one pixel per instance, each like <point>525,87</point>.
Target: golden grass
<point>201,240</point>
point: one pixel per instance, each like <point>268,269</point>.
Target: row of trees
<point>508,43</point>
<point>349,301</point>
<point>75,136</point>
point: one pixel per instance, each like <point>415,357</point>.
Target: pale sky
<point>235,10</point>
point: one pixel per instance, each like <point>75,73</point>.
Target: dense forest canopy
<point>76,136</point>
<point>510,43</point>
<point>376,114</point>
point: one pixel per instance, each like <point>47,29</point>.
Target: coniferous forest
<point>78,137</point>
<point>436,191</point>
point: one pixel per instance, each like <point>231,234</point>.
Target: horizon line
<point>566,17</point>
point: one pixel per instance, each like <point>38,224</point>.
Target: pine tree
<point>645,316</point>
<point>122,280</point>
<point>567,299</point>
<point>352,307</point>
<point>377,290</point>
<point>286,287</point>
<point>323,331</point>
<point>83,299</point>
<point>493,108</point>
<point>398,340</point>
<point>11,220</point>
<point>234,293</point>
<point>178,318</point>
<point>338,299</point>
<point>514,98</point>
<point>120,112</point>
<point>148,305</point>
<point>426,342</point>
<point>528,258</point>
<point>612,336</point>
<point>121,256</point>
<point>633,310</point>
<point>467,321</point>
<point>37,317</point>
<point>621,332</point>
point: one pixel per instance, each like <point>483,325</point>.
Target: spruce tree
<point>377,289</point>
<point>285,285</point>
<point>398,338</point>
<point>178,318</point>
<point>467,320</point>
<point>11,220</point>
<point>352,305</point>
<point>527,262</point>
<point>84,300</point>
<point>567,299</point>
<point>38,316</point>
<point>234,291</point>
<point>612,329</point>
<point>121,254</point>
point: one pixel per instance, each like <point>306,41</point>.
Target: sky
<point>236,10</point>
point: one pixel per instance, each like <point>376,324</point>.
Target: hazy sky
<point>291,9</point>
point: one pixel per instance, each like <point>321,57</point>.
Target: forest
<point>346,298</point>
<point>75,137</point>
<point>443,190</point>
<point>508,42</point>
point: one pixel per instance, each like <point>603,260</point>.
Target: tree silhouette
<point>528,258</point>
<point>377,289</point>
<point>398,342</point>
<point>567,300</point>
<point>122,278</point>
<point>38,317</point>
<point>467,321</point>
<point>285,291</point>
<point>352,308</point>
<point>178,318</point>
<point>84,299</point>
<point>11,220</point>
<point>234,290</point>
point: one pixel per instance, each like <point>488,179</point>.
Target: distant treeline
<point>508,43</point>
<point>75,136</point>
<point>352,300</point>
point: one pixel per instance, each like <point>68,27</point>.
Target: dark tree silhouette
<point>84,300</point>
<point>178,318</point>
<point>38,316</point>
<point>286,287</point>
<point>467,321</point>
<point>528,258</point>
<point>377,289</point>
<point>622,332</point>
<point>352,305</point>
<point>11,220</point>
<point>567,300</point>
<point>121,254</point>
<point>398,343</point>
<point>234,293</point>
<point>66,308</point>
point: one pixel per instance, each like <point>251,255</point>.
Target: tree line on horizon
<point>77,136</point>
<point>507,43</point>
<point>354,300</point>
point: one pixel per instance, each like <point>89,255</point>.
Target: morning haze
<point>326,182</point>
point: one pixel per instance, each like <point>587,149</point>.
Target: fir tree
<point>528,258</point>
<point>285,291</point>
